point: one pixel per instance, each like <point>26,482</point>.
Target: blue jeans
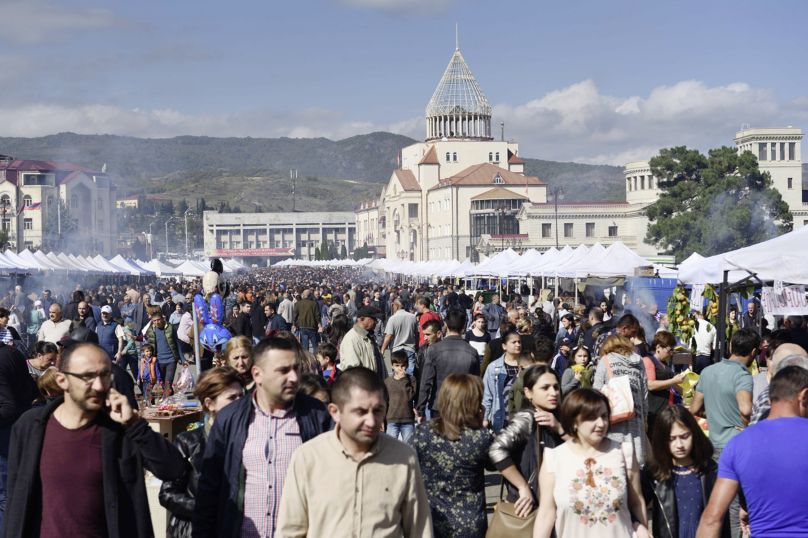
<point>406,430</point>
<point>411,362</point>
<point>4,483</point>
<point>309,335</point>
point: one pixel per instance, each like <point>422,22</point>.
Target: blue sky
<point>598,82</point>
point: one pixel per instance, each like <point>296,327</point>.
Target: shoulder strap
<point>608,367</point>
<point>628,454</point>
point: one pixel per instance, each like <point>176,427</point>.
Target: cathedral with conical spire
<point>453,188</point>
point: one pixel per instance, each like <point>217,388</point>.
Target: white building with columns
<point>457,185</point>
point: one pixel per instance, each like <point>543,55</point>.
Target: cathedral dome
<point>458,109</point>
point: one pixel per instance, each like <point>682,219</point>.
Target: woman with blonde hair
<point>453,454</point>
<point>238,355</point>
<point>619,359</point>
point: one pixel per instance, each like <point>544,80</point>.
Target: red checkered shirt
<point>271,441</point>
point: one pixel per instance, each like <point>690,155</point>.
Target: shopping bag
<point>618,391</point>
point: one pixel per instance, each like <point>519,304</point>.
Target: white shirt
<point>705,337</point>
<point>549,308</point>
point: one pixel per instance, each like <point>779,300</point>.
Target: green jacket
<point>307,314</point>
<point>169,330</point>
<point>516,394</point>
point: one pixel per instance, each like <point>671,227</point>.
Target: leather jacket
<point>663,498</point>
<point>177,496</point>
<point>516,444</point>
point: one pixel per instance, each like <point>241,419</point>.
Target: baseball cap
<point>368,312</point>
<point>37,303</point>
<point>106,309</point>
<point>565,342</point>
<point>81,335</point>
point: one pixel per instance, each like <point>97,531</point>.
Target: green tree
<point>51,236</point>
<point>712,204</point>
<point>317,253</point>
<point>141,201</point>
<point>183,207</point>
<point>324,250</point>
<point>343,252</point>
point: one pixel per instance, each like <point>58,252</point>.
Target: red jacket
<point>426,316</point>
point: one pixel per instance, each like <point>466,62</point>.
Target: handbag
<point>505,523</point>
<point>618,391</point>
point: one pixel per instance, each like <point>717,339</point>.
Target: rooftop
<point>458,92</point>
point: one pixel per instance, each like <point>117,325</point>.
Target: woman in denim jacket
<point>498,379</point>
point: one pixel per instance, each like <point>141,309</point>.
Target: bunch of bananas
<point>681,322</point>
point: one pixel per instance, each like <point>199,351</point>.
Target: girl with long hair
<point>681,475</point>
<point>575,377</point>
<point>498,378</point>
<point>515,451</point>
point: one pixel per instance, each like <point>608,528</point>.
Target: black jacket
<point>452,355</point>
<point>663,498</point>
<point>177,496</point>
<point>258,318</point>
<point>589,338</point>
<point>124,454</point>
<point>71,310</point>
<point>244,326</point>
<point>218,511</point>
<point>17,391</point>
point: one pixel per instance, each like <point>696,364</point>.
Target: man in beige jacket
<point>352,482</point>
<point>359,344</point>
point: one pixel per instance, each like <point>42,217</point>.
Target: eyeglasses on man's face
<point>106,377</point>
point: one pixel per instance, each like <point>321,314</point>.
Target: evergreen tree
<point>317,253</point>
<point>713,204</point>
<point>183,207</point>
<point>324,250</point>
<point>343,252</point>
<point>51,238</point>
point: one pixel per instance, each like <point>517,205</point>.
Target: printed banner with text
<point>254,252</point>
<point>790,302</point>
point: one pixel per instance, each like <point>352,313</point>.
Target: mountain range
<point>169,166</point>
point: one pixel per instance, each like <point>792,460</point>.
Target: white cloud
<point>38,21</point>
<point>576,123</point>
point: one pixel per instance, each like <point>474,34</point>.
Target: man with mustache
<point>54,492</point>
<point>250,446</point>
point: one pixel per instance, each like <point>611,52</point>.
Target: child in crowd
<point>186,380</point>
<point>315,386</point>
<point>327,357</point>
<point>148,373</point>
<point>559,363</point>
<point>401,388</point>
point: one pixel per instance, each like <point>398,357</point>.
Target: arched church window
<point>490,157</point>
<point>454,156</point>
<point>448,157</point>
<point>497,157</point>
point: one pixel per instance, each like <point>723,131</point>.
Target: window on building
<point>791,183</point>
<point>413,211</point>
<point>590,229</point>
<point>762,151</point>
<point>490,156</point>
<point>782,151</point>
<point>498,180</point>
<point>6,225</point>
<point>28,224</point>
<point>629,184</point>
<point>642,182</point>
<point>74,201</point>
<point>454,157</point>
<point>448,157</point>
<point>650,182</point>
<point>792,146</point>
<point>100,224</point>
<point>27,200</point>
<point>774,151</point>
<point>431,207</point>
<point>568,230</point>
<point>468,251</point>
<point>635,183</point>
<point>50,201</point>
<point>29,244</point>
<point>448,229</point>
<point>612,231</point>
<point>497,157</point>
<point>546,229</point>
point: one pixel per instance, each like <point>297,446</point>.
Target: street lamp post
<point>502,212</point>
<point>169,220</point>
<point>186,231</point>
<point>151,249</point>
<point>555,195</point>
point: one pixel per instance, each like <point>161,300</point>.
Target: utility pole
<point>293,177</point>
<point>186,232</point>
<point>169,220</point>
<point>151,241</point>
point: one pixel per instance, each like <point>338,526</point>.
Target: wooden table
<point>170,427</point>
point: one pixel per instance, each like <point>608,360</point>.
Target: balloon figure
<point>213,336</point>
<point>214,282</point>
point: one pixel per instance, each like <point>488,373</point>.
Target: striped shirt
<point>5,336</point>
<point>272,438</point>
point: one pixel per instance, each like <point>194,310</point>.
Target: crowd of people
<point>346,405</point>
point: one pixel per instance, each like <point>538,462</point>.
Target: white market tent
<point>522,265</point>
<point>135,269</point>
<point>783,258</point>
<point>10,266</point>
<point>104,264</point>
<point>190,269</point>
<point>161,269</point>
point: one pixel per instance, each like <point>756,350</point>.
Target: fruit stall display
<point>680,319</point>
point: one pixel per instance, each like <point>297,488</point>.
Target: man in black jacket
<point>244,323</point>
<point>258,318</point>
<point>71,309</point>
<point>234,468</point>
<point>102,493</point>
<point>596,322</point>
<point>452,355</point>
<point>17,391</point>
